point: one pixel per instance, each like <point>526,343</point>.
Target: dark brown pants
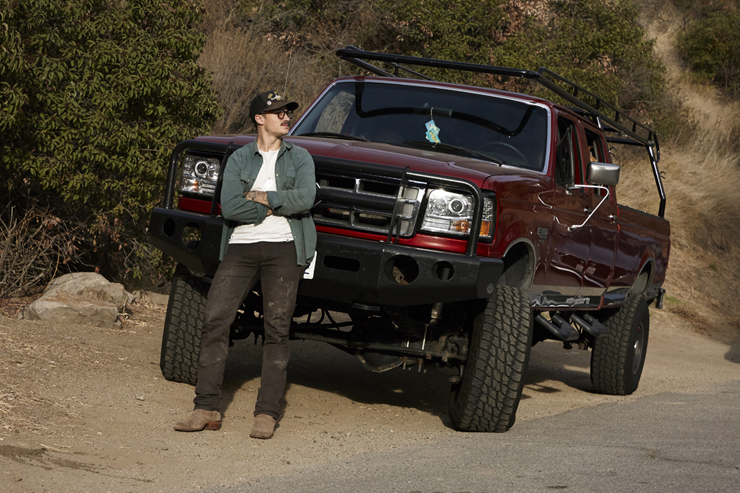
<point>274,264</point>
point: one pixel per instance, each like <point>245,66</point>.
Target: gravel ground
<point>87,409</point>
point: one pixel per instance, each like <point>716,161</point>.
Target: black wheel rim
<point>638,349</point>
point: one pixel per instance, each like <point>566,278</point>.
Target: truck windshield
<point>505,130</point>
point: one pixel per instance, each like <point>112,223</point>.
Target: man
<point>268,189</point>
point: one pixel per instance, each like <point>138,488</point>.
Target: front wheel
<point>182,328</point>
<point>488,396</point>
<point>619,355</point>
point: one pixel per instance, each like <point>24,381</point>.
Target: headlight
<point>452,213</point>
<point>200,174</point>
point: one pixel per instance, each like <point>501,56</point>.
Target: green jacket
<point>295,181</point>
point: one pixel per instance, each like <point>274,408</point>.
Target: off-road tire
<point>182,324</point>
<point>488,396</point>
<point>618,355</point>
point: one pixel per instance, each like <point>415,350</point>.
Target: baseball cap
<point>269,101</point>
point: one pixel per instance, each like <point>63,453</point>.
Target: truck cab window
<point>595,154</point>
<point>595,150</point>
<point>565,166</point>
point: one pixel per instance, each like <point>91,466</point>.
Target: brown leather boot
<point>264,426</point>
<point>200,420</point>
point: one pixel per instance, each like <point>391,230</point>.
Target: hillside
<point>701,184</point>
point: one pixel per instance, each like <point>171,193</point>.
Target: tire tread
<point>610,353</point>
<point>182,328</point>
<point>488,397</point>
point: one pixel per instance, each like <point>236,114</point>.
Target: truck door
<point>569,247</point>
<point>603,224</point>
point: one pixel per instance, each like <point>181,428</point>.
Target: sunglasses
<point>280,113</point>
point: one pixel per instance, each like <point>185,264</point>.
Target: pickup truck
<point>457,227</point>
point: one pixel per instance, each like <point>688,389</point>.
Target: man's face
<point>276,123</point>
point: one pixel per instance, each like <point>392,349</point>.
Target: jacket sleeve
<point>233,204</point>
<point>301,197</point>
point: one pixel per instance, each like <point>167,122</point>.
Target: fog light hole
<point>402,269</point>
<point>168,228</point>
<point>191,236</point>
<point>443,271</point>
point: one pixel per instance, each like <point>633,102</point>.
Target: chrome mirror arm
<point>599,187</point>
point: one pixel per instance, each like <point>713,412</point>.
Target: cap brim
<point>290,105</point>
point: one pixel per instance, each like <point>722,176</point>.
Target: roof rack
<point>606,116</point>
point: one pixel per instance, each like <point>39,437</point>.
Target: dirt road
<point>86,409</point>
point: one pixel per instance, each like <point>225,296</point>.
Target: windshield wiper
<point>452,149</point>
<point>333,135</point>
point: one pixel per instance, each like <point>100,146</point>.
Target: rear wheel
<point>619,355</point>
<point>182,328</point>
<point>488,396</point>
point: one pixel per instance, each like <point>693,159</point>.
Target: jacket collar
<point>283,147</point>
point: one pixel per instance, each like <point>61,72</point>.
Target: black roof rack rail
<point>607,116</point>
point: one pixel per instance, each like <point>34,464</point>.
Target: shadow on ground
<point>322,367</point>
<point>549,361</point>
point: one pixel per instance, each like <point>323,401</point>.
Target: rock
<point>90,285</point>
<point>80,298</point>
<point>151,297</point>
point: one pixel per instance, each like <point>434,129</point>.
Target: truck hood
<point>475,170</point>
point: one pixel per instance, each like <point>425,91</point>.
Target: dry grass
<point>244,64</point>
<point>701,184</point>
<point>245,61</point>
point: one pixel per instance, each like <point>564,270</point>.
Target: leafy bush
<point>596,43</point>
<point>94,94</point>
<point>711,47</point>
<point>461,30</point>
<point>319,26</point>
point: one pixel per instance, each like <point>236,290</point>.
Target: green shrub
<point>596,43</point>
<point>711,47</point>
<point>93,96</point>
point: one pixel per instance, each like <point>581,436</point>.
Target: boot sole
<point>212,425</point>
<point>261,437</point>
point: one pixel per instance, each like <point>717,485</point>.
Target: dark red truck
<point>457,227</point>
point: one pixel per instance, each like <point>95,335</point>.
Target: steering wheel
<point>508,150</point>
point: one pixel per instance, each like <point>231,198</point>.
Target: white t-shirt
<point>273,228</point>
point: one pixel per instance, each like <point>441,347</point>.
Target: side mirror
<point>603,174</point>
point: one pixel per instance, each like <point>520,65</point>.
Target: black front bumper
<point>351,270</point>
<point>348,270</point>
<point>192,239</point>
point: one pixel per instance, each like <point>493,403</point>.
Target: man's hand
<point>259,197</point>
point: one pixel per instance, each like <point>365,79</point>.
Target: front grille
<point>367,204</point>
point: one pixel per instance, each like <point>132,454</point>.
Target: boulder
<point>151,298</point>
<point>92,286</point>
<point>80,298</point>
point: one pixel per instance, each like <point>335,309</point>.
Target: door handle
<point>586,210</point>
<point>614,218</point>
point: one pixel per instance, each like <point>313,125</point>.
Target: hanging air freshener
<point>432,130</point>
